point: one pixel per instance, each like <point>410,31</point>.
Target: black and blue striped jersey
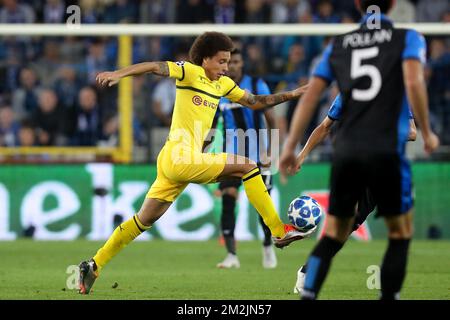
<point>367,65</point>
<point>245,130</point>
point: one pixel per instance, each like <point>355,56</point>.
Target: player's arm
<point>301,118</point>
<point>110,78</point>
<point>256,102</point>
<point>317,136</point>
<point>416,92</point>
<point>412,130</point>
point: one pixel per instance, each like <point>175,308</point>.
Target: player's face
<point>217,65</point>
<point>235,66</point>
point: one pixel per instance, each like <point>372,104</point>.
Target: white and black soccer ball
<point>305,213</point>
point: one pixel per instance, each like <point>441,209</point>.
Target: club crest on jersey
<point>197,100</point>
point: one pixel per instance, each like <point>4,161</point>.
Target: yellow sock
<point>259,197</point>
<point>121,237</point>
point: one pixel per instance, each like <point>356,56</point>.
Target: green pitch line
<point>186,270</point>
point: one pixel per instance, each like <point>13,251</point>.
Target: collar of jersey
<point>203,73</point>
<point>383,17</point>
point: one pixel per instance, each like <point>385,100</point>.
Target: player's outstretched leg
<point>126,232</point>
<point>259,197</point>
<point>88,275</point>
<point>301,275</point>
<point>319,261</point>
<point>269,257</point>
<point>393,268</point>
<point>365,206</point>
<point>228,222</point>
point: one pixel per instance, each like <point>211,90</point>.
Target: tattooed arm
<point>256,102</point>
<point>111,78</point>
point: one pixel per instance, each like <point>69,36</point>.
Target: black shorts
<point>236,183</point>
<point>387,178</point>
<point>366,204</point>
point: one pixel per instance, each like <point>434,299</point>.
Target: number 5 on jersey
<point>358,70</point>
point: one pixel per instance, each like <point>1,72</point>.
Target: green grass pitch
<point>186,270</point>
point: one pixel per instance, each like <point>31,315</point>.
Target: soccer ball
<point>305,213</point>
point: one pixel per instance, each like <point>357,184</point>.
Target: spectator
<point>67,87</point>
<point>72,50</point>
<point>13,12</point>
<point>290,11</point>
<point>96,61</point>
<point>9,127</point>
<point>110,132</point>
<point>141,95</point>
<point>255,60</point>
<point>403,12</point>
<point>27,134</point>
<point>90,11</point>
<point>54,11</point>
<point>122,11</point>
<point>257,11</point>
<point>163,101</point>
<point>438,71</point>
<point>431,11</point>
<point>47,66</point>
<point>50,120</point>
<point>225,12</point>
<point>347,10</point>
<point>292,71</point>
<point>325,13</point>
<point>158,11</point>
<point>88,129</point>
<point>9,75</point>
<point>194,11</point>
<point>25,98</point>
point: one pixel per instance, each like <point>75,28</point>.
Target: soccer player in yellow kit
<point>199,86</point>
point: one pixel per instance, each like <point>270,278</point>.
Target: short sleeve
<point>177,70</point>
<point>334,113</point>
<point>323,68</point>
<point>183,71</point>
<point>231,90</point>
<point>415,46</point>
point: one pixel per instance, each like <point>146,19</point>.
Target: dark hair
<point>236,51</point>
<point>207,45</point>
<point>384,5</point>
<point>27,123</point>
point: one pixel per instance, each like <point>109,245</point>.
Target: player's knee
<point>249,166</point>
<point>400,232</point>
<point>230,192</point>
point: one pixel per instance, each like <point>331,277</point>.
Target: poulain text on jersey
<point>367,39</point>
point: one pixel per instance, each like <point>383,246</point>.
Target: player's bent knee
<point>230,192</point>
<point>249,166</point>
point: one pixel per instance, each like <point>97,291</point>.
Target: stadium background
<point>76,160</point>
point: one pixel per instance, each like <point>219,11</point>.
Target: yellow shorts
<point>177,166</point>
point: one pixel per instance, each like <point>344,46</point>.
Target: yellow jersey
<point>196,101</point>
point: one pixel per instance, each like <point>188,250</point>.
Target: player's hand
<point>431,142</point>
<point>107,78</point>
<point>287,163</point>
<point>298,163</point>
